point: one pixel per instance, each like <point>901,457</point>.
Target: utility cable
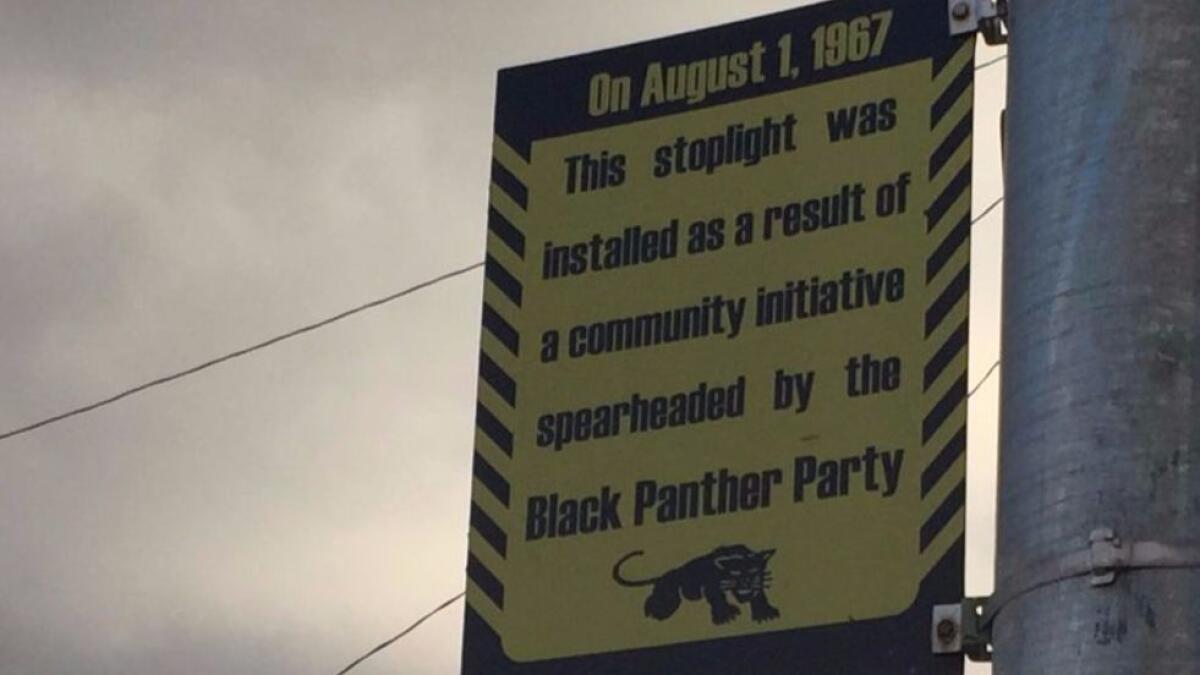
<point>992,62</point>
<point>986,212</point>
<point>239,353</point>
<point>994,368</point>
<point>280,338</point>
<point>406,631</point>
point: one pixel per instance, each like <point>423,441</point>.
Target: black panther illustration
<point>728,569</point>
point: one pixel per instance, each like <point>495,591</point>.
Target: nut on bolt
<point>946,631</point>
<point>961,11</point>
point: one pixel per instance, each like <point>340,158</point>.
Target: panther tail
<point>627,582</point>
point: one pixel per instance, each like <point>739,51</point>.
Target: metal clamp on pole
<point>1107,556</point>
<point>985,16</point>
<point>966,628</point>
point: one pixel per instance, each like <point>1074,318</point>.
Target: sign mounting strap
<point>1105,556</point>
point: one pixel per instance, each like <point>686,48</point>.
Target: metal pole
<point>1100,420</point>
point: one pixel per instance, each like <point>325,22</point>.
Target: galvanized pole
<point>1100,420</point>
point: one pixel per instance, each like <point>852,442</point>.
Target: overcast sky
<point>180,179</point>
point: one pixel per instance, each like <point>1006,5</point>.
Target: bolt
<point>961,11</point>
<point>946,631</point>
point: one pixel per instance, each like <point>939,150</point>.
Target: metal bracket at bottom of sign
<point>960,629</point>
<point>986,16</point>
<point>966,627</point>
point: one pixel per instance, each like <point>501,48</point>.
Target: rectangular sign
<point>721,423</point>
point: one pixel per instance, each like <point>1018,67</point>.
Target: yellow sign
<point>722,381</point>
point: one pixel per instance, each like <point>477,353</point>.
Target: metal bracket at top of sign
<point>986,16</point>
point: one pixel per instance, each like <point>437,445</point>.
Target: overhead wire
<point>986,212</point>
<point>992,62</point>
<point>995,366</point>
<point>158,382</point>
<point>983,381</point>
<point>389,642</point>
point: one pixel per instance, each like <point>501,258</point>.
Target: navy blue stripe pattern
<point>503,234</point>
<point>485,580</point>
<point>951,241</point>
<point>953,92</point>
<point>953,141</point>
<point>489,530</point>
<point>941,411</point>
<point>945,459</point>
<point>949,246</point>
<point>494,429</point>
<point>492,479</point>
<point>953,346</point>
<point>506,232</point>
<point>502,330</point>
<point>504,280</point>
<point>497,379</point>
<point>510,184</point>
<point>958,185</point>
<point>942,516</point>
<point>950,297</point>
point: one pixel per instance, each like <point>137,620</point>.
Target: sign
<point>721,422</point>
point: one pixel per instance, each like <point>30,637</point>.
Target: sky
<point>182,179</point>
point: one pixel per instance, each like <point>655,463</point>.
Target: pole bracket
<point>960,629</point>
<point>966,627</point>
<point>989,17</point>
<point>1107,556</point>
